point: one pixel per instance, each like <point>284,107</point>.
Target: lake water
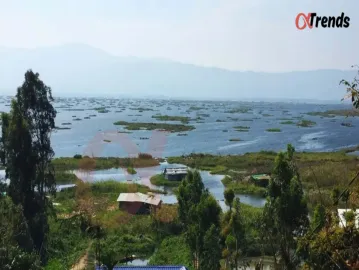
<point>87,135</point>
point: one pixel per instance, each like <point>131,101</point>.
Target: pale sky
<point>256,35</point>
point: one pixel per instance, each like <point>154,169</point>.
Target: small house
<point>175,174</point>
<point>261,180</point>
<point>139,203</point>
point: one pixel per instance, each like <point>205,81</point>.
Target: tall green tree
<point>234,234</point>
<point>286,213</point>
<point>26,153</point>
<point>229,197</point>
<point>198,212</point>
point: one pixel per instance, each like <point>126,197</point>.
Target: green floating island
<point>77,119</point>
<point>273,130</point>
<point>140,109</point>
<point>235,140</point>
<point>108,141</point>
<point>238,110</point>
<point>289,122</point>
<point>154,126</point>
<point>333,113</point>
<point>183,119</point>
<point>306,123</point>
<point>219,120</point>
<point>241,127</point>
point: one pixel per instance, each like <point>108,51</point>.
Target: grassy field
<point>155,126</point>
<point>316,169</point>
<point>241,187</point>
<point>160,180</point>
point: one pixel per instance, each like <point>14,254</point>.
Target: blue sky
<point>257,35</point>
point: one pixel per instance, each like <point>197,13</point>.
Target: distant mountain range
<point>81,70</point>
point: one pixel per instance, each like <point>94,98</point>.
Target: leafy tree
<point>189,194</point>
<point>198,211</point>
<point>229,197</point>
<point>13,231</point>
<point>319,217</point>
<point>211,254</point>
<point>26,153</point>
<point>286,213</point>
<point>234,234</point>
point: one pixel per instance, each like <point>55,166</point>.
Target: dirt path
<point>82,262</point>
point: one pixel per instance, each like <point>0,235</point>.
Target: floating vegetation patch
<point>289,122</point>
<point>183,119</point>
<point>266,115</point>
<point>306,123</point>
<point>225,130</point>
<point>141,109</point>
<point>333,113</point>
<point>241,127</point>
<point>273,130</point>
<point>144,138</point>
<point>195,108</point>
<point>246,120</point>
<point>155,126</point>
<point>107,141</point>
<point>128,132</point>
<point>238,110</point>
<point>87,117</point>
<point>203,114</point>
<point>219,120</point>
<point>182,134</point>
<point>77,119</point>
<point>66,124</point>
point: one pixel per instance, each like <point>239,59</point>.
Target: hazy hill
<point>83,70</point>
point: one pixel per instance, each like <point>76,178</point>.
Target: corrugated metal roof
<point>181,170</point>
<point>150,267</point>
<point>139,197</point>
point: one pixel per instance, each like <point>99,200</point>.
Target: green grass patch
<point>238,110</point>
<point>333,113</point>
<point>241,187</point>
<point>273,130</point>
<point>131,170</point>
<point>183,119</point>
<point>306,123</point>
<point>62,177</point>
<point>241,127</point>
<point>168,255</point>
<point>102,163</point>
<point>289,122</point>
<point>160,180</point>
<point>155,126</point>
